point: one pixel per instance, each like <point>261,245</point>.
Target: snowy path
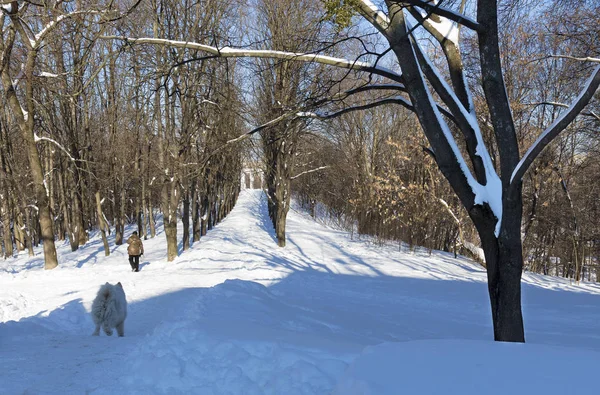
<point>238,315</point>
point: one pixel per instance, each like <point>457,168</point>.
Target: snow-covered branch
<point>39,37</point>
<point>435,8</point>
<point>557,126</point>
<point>443,29</point>
<point>309,171</point>
<point>551,103</point>
<point>228,52</point>
<point>466,121</point>
<point>272,122</point>
<point>38,138</point>
<point>389,100</point>
<point>587,59</point>
<point>45,74</point>
<point>373,14</point>
<point>9,7</point>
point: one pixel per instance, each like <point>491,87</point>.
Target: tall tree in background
<point>289,25</point>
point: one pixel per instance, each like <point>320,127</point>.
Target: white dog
<point>109,309</point>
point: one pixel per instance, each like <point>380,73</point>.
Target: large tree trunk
<point>50,258</point>
<point>504,263</point>
<point>25,120</point>
<point>282,194</point>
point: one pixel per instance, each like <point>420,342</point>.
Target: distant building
<point>253,176</point>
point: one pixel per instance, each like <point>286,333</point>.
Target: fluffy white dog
<point>109,309</point>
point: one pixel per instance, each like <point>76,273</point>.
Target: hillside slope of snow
<point>237,315</point>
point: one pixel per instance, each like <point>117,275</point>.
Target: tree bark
<point>186,219</point>
<point>196,227</point>
<point>25,120</point>
<point>5,211</point>
<point>102,224</point>
<point>504,263</point>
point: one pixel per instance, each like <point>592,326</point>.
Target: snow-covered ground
<point>327,314</point>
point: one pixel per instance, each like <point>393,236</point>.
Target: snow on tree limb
<point>366,88</point>
<point>389,100</point>
<point>436,9</point>
<point>555,104</point>
<point>448,154</point>
<point>38,138</point>
<point>373,14</point>
<point>309,171</point>
<point>306,114</point>
<point>557,126</point>
<point>587,59</point>
<point>39,37</point>
<point>228,52</point>
<point>465,120</point>
<point>33,42</point>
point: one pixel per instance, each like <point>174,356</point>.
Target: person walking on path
<point>135,250</point>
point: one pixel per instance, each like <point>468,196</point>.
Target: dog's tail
<point>105,310</point>
<point>105,292</point>
<point>100,307</point>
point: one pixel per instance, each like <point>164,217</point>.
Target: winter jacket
<point>136,247</point>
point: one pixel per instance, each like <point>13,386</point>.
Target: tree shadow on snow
<point>70,318</point>
<point>309,309</point>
